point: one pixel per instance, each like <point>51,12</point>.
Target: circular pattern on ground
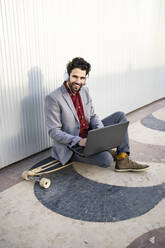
<point>74,196</point>
<point>160,114</point>
<point>140,133</point>
<point>147,153</point>
<point>154,238</point>
<point>154,175</point>
<point>151,122</point>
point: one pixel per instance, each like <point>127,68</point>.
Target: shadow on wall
<point>32,113</point>
<point>27,133</point>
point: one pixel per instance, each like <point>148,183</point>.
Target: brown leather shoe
<point>125,164</point>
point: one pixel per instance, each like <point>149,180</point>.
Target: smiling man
<point>70,114</point>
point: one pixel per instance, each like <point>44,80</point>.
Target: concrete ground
<point>90,206</point>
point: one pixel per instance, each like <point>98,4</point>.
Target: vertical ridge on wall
<point>22,86</point>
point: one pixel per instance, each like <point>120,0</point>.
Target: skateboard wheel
<point>25,175</point>
<point>45,183</point>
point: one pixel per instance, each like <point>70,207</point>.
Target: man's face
<point>76,80</point>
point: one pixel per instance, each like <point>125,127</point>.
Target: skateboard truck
<point>44,182</point>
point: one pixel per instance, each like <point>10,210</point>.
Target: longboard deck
<point>45,166</point>
<point>43,162</point>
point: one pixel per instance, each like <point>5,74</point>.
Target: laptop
<point>102,139</point>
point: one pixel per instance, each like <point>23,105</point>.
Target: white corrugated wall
<point>123,40</point>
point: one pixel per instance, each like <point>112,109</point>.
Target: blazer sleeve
<point>53,120</point>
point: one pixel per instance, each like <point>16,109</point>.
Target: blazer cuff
<point>75,140</point>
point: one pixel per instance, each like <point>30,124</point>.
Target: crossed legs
<point>105,159</point>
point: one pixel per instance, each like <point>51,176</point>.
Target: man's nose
<point>78,81</point>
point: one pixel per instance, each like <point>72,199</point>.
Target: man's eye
<point>82,78</point>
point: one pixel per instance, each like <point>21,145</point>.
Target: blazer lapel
<point>69,101</point>
<point>83,98</point>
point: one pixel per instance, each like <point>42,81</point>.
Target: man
<point>70,114</point>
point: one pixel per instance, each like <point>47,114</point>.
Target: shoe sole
<point>131,170</point>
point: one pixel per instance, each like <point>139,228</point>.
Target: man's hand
<point>82,142</point>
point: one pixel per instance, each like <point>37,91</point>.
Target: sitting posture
<point>70,115</point>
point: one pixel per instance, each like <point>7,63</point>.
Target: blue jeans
<point>105,159</point>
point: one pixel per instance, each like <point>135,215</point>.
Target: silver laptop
<point>102,139</point>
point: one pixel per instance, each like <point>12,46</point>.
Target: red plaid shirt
<point>76,99</point>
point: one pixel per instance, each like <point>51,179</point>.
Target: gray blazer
<point>63,123</point>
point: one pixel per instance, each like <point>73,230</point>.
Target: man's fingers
<point>82,142</point>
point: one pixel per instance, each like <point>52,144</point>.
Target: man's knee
<point>121,115</point>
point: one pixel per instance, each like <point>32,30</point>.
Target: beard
<point>74,87</point>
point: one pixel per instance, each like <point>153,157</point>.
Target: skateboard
<point>45,166</point>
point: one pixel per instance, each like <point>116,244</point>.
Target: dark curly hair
<point>80,63</point>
